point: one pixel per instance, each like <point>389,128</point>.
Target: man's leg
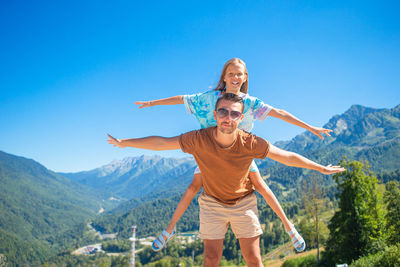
<point>213,225</point>
<point>247,228</point>
<point>212,252</point>
<point>251,251</point>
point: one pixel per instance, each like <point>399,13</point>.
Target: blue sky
<point>71,71</point>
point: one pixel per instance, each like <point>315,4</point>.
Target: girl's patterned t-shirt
<point>202,106</point>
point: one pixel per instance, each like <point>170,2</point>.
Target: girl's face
<point>235,76</point>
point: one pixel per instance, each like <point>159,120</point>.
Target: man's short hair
<point>230,97</point>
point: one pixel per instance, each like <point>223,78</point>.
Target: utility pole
<point>133,239</point>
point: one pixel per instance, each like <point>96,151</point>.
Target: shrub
<point>307,261</point>
<point>389,257</point>
<point>116,246</point>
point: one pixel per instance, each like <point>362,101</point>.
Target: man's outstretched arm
<point>296,160</point>
<point>150,142</point>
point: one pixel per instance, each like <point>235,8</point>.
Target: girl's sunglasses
<point>223,112</point>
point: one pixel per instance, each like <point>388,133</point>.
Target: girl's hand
<point>115,142</point>
<point>144,104</point>
<point>318,131</point>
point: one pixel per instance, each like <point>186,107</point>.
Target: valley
<point>48,217</point>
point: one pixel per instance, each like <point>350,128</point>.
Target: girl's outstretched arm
<point>174,100</point>
<point>286,116</point>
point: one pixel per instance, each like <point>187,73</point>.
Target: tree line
<point>364,228</point>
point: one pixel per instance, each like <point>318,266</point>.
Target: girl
<point>234,79</point>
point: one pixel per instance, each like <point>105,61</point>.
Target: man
<point>224,154</point>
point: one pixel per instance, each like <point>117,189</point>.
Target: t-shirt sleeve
<point>260,109</point>
<point>262,148</point>
<point>188,101</point>
<point>187,141</point>
<point>196,102</point>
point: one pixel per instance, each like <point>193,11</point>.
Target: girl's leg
<point>185,201</point>
<point>270,198</point>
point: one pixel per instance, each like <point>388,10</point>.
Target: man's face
<point>228,124</point>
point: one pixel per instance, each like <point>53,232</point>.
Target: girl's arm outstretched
<point>174,100</point>
<point>286,116</point>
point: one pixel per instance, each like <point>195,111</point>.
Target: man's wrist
<point>308,127</point>
<point>122,142</point>
<point>321,169</point>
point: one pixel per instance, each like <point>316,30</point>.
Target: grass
<point>276,262</point>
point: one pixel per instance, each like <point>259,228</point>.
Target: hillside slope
<point>36,205</point>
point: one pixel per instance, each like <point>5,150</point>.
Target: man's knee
<point>212,256</point>
<point>253,259</point>
<point>251,251</point>
<point>211,259</point>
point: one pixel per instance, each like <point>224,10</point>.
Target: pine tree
<point>356,229</point>
<point>314,203</point>
<point>392,200</point>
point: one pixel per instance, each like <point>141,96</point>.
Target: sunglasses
<point>223,112</point>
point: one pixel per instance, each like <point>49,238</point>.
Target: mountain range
<point>42,211</point>
<point>135,177</point>
<point>359,128</point>
<point>361,133</point>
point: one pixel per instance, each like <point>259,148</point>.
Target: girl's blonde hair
<point>221,84</point>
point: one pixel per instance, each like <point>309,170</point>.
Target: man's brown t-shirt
<point>224,170</point>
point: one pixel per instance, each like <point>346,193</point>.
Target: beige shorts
<point>216,217</point>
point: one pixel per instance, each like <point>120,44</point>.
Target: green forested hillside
<point>150,217</point>
<point>18,250</point>
<point>43,213</point>
<point>36,205</point>
<point>360,133</point>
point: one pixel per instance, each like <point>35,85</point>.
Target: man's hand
<point>318,131</point>
<point>144,104</point>
<point>115,142</point>
<point>295,160</point>
<point>332,169</point>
